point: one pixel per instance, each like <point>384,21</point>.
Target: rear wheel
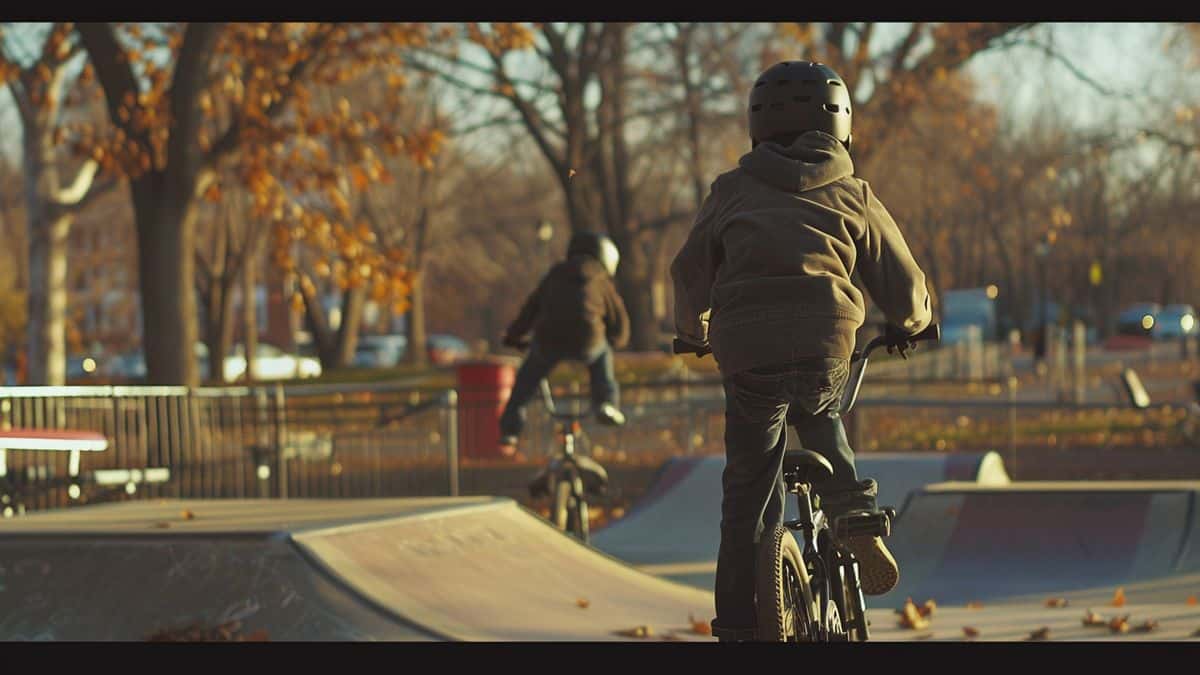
<point>786,609</point>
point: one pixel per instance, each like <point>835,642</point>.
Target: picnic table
<point>75,443</point>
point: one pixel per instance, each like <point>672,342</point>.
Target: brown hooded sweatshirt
<point>764,276</point>
<point>574,310</point>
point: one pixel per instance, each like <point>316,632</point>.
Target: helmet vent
<point>831,107</point>
<point>833,82</point>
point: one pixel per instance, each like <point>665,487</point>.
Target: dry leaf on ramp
<point>1042,633</point>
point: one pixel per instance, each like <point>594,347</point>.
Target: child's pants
<point>807,395</point>
<point>538,364</point>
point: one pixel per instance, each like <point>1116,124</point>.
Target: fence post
<point>1012,422</point>
<point>452,440</point>
<point>1079,362</point>
<point>280,439</point>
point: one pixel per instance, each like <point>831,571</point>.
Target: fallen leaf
<point>1119,598</point>
<point>1042,633</point>
<point>910,617</point>
<point>1119,624</point>
<point>1057,602</point>
<point>1192,600</point>
<point>583,603</point>
<point>188,515</point>
<point>637,632</point>
<point>928,608</point>
<point>699,627</point>
<point>162,525</point>
<point>1094,619</point>
<point>974,604</point>
<point>1146,626</point>
<point>970,632</point>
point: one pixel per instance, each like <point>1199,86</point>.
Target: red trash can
<point>483,390</point>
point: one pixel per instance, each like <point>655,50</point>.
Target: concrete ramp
<point>959,542</point>
<point>674,531</point>
<point>399,569</point>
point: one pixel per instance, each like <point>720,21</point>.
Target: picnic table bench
<point>62,440</point>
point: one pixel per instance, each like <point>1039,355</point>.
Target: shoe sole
<point>877,569</point>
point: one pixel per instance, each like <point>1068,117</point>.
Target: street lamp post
<point>1042,251</point>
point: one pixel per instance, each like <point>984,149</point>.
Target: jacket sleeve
<point>616,319</point>
<point>694,271</point>
<point>521,326</point>
<point>888,270</point>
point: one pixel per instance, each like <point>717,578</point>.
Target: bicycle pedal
<point>862,525</point>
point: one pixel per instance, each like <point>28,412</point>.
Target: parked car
<point>1175,321</point>
<point>445,350</point>
<point>270,363</point>
<point>129,366</point>
<point>1138,319</point>
<point>379,351</point>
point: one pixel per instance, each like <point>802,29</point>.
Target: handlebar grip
<point>683,347</point>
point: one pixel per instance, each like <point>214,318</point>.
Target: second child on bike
<point>574,314</point>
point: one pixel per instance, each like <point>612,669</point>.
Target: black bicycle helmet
<point>596,245</point>
<point>792,97</point>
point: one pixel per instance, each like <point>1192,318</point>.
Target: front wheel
<point>786,609</point>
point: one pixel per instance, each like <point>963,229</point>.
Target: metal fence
<point>381,440</point>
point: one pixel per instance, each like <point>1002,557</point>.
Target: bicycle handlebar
<point>932,332</point>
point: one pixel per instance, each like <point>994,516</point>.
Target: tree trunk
<point>417,352</point>
<point>47,298</point>
<point>166,271</point>
<point>218,334</point>
<point>354,300</point>
<point>250,311</point>
<point>633,281</point>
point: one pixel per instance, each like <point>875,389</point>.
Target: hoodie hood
<point>813,160</point>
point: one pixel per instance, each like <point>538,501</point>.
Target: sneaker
<point>608,414</point>
<point>877,569</point>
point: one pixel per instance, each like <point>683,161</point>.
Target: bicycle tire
<point>786,609</point>
<point>582,527</point>
<point>560,513</point>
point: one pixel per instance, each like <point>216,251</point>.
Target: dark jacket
<point>764,276</point>
<point>574,310</point>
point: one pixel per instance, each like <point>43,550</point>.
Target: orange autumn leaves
<point>308,148</point>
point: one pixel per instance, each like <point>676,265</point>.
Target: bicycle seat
<point>805,466</point>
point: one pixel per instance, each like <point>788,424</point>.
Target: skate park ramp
<point>673,531</point>
<point>376,569</point>
<point>959,542</point>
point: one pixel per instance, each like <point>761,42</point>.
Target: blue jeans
<point>758,403</point>
<point>538,364</point>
